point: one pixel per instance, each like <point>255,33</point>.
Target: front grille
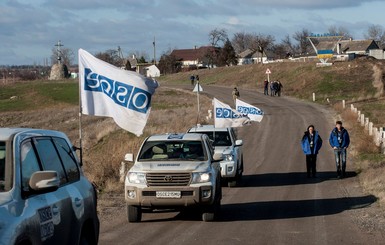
<point>168,179</point>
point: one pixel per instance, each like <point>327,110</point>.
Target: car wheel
<point>212,212</point>
<point>134,213</point>
<point>87,237</point>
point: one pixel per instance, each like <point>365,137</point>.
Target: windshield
<point>173,150</point>
<point>3,185</point>
<point>221,138</point>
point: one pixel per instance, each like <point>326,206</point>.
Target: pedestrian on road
<point>192,79</point>
<point>266,87</point>
<point>235,94</point>
<point>311,143</point>
<point>279,88</point>
<point>339,140</point>
<point>272,91</point>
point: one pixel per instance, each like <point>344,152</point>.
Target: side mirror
<point>238,142</point>
<point>218,157</point>
<point>129,157</point>
<point>44,181</point>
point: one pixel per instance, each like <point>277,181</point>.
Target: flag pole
<point>199,109</point>
<point>80,121</point>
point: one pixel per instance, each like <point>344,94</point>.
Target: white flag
<point>109,91</point>
<point>225,116</point>
<point>254,113</point>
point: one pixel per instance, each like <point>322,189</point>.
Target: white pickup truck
<point>226,143</point>
<point>174,171</point>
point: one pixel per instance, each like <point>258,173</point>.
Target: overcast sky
<point>29,29</point>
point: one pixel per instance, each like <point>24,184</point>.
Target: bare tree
<point>217,36</point>
<point>340,31</point>
<point>242,41</point>
<point>289,46</point>
<point>303,43</point>
<point>377,33</point>
<point>263,42</point>
<point>111,56</point>
<point>66,54</point>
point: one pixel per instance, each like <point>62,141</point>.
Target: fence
<point>377,133</point>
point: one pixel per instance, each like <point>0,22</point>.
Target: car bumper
<point>189,196</point>
<point>228,169</point>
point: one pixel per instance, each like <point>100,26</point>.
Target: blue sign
<point>122,94</point>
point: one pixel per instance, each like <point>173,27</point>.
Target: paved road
<point>276,203</point>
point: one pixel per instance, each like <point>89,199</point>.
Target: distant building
<point>356,47</point>
<point>250,56</point>
<point>152,71</point>
<point>196,57</point>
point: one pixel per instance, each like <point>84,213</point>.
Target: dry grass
<point>104,143</point>
<point>367,158</point>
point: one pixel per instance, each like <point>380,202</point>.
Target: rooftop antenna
<point>58,51</point>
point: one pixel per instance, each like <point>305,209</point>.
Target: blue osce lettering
<point>249,110</point>
<point>122,94</point>
<point>226,113</point>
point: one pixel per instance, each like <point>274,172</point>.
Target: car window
<point>29,164</point>
<point>2,166</point>
<point>50,158</point>
<point>221,138</point>
<point>68,159</point>
<point>173,150</point>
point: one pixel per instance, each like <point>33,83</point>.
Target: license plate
<point>168,194</point>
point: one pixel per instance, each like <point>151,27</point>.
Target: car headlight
<point>136,178</point>
<point>201,178</point>
<point>229,157</point>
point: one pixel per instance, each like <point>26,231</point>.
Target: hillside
<point>352,81</point>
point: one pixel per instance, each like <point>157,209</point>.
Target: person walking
<point>235,94</point>
<point>266,87</point>
<point>339,140</point>
<point>311,144</point>
<point>272,92</point>
<point>192,79</point>
<point>279,88</point>
<point>197,78</point>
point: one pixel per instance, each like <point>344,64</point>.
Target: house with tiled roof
<point>357,47</point>
<point>193,57</point>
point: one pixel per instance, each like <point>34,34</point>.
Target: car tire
<point>212,212</point>
<point>134,213</point>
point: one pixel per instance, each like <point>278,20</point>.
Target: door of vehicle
<point>59,201</point>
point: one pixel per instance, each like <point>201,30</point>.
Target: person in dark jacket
<point>311,144</point>
<point>339,140</point>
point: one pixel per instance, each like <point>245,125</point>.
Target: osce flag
<point>109,91</point>
<point>225,116</point>
<point>254,113</point>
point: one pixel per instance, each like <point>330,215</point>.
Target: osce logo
<point>226,113</point>
<point>249,110</point>
<point>122,94</point>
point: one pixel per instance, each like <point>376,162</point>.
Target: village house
<point>349,49</point>
<point>196,57</point>
<point>250,56</point>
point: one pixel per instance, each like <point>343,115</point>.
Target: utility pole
<point>153,43</point>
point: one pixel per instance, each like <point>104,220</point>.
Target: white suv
<point>44,196</point>
<point>174,171</point>
<point>226,143</point>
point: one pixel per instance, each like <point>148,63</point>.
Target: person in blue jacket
<point>339,140</point>
<point>311,144</point>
